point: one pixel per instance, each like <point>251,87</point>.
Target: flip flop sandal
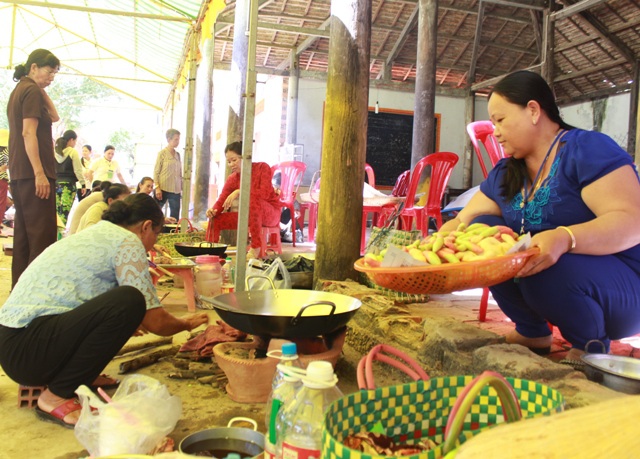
<point>57,414</point>
<point>109,382</point>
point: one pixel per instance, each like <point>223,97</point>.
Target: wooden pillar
<point>344,140</point>
<point>238,71</point>
<point>425,92</point>
<point>203,155</point>
<point>292,104</point>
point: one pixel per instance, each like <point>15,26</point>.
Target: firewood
<point>146,360</point>
<point>131,347</point>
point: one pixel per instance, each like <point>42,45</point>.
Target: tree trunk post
<point>239,71</point>
<point>203,151</point>
<point>344,140</point>
<point>425,92</point>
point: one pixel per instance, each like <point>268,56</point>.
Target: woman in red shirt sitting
<point>264,205</point>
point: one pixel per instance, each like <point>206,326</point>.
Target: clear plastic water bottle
<point>228,276</point>
<point>302,419</point>
<point>283,389</point>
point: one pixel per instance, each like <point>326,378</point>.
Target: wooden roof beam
<point>603,32</point>
<point>402,39</point>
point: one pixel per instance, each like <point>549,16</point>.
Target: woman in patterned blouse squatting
<point>60,328</point>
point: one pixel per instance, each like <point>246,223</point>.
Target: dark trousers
<point>174,203</point>
<point>67,350</point>
<point>587,297</point>
<point>35,224</point>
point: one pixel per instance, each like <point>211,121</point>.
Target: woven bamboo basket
<point>449,277</point>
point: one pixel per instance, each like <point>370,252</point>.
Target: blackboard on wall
<point>389,138</point>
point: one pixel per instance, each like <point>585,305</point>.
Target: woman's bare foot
<point>48,402</point>
<point>543,342</point>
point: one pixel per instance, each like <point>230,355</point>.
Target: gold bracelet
<point>573,238</point>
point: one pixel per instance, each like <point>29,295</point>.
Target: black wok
<point>195,249</point>
<point>285,313</point>
<point>169,227</point>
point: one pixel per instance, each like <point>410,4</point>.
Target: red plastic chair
<point>399,190</point>
<point>371,176</point>
<point>442,165</point>
<point>402,184</point>
<point>291,173</point>
<point>482,132</point>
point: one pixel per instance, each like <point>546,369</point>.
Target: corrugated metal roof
<point>133,46</point>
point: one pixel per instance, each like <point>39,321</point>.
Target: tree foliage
<point>71,95</point>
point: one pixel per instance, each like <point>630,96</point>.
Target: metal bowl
<point>614,371</point>
<point>195,249</point>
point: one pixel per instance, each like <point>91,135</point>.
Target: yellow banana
<point>432,257</point>
<point>438,243</point>
<point>476,226</point>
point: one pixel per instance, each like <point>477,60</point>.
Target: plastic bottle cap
<point>289,349</point>
<point>320,370</point>
<point>228,259</point>
<point>203,259</point>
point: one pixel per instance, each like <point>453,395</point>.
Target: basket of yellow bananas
<point>469,257</point>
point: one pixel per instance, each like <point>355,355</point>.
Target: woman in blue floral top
<point>578,194</point>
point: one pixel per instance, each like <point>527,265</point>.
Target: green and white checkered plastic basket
<point>421,409</point>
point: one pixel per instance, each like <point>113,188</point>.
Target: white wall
<point>452,128</point>
<point>616,117</point>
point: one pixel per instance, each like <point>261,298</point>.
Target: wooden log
<point>131,347</point>
<point>344,141</point>
<point>146,360</point>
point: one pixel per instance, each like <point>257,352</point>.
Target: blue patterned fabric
<point>583,157</point>
<point>77,269</point>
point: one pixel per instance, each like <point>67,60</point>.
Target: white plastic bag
<point>276,271</point>
<point>141,413</point>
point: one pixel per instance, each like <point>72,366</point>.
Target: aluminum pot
<point>285,313</point>
<point>613,371</point>
<point>221,441</point>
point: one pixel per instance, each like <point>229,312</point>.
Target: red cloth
<point>213,334</point>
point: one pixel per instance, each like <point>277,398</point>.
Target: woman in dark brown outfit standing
<point>31,162</point>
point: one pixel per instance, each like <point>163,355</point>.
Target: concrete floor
<point>206,406</point>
